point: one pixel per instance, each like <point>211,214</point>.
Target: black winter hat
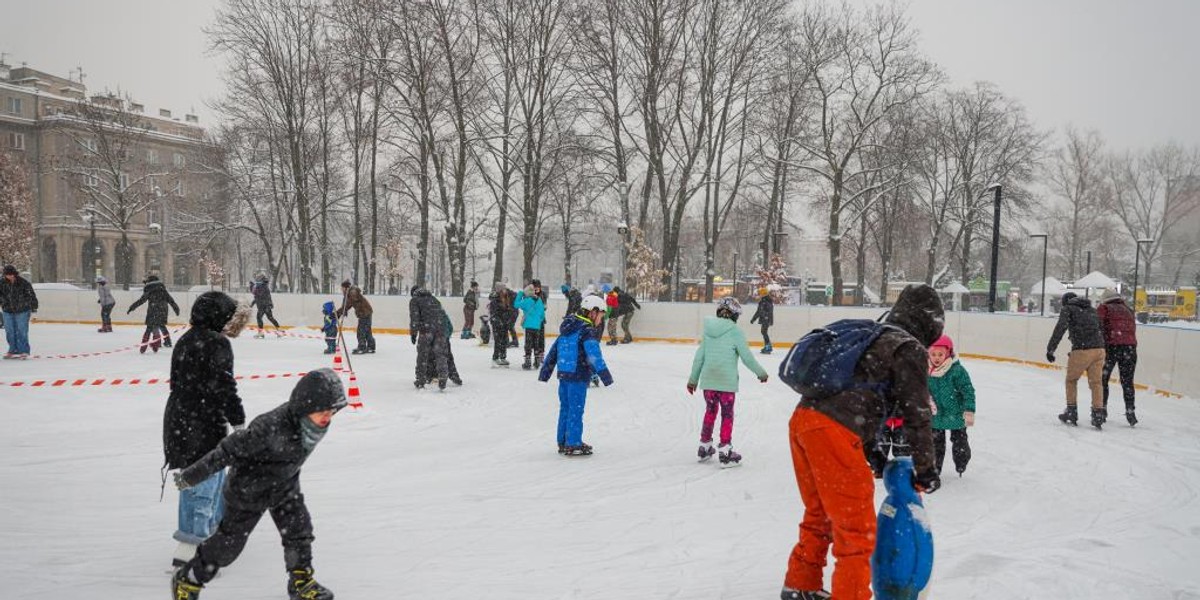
<point>212,310</point>
<point>346,283</point>
<point>318,390</point>
<point>10,270</point>
<point>474,284</point>
<point>919,311</point>
<point>1069,296</point>
<point>150,278</point>
<point>414,289</point>
<point>536,282</point>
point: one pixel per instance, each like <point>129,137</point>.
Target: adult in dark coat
<point>501,314</point>
<point>260,288</point>
<point>203,401</point>
<point>265,461</point>
<point>426,321</point>
<point>1079,320</point>
<point>1119,327</point>
<point>431,373</point>
<point>156,294</point>
<point>17,302</point>
<point>765,317</point>
<point>626,305</point>
<point>574,298</point>
<point>470,305</point>
<point>828,436</point>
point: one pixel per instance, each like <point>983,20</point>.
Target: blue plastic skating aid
<point>903,557</point>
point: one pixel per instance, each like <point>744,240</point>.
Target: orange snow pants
<point>838,491</point>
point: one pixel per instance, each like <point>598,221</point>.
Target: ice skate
<point>302,586</point>
<point>527,365</point>
<point>580,450</point>
<point>627,339</point>
<point>182,587</point>
<point>419,384</point>
<point>1070,416</point>
<point>767,349</point>
<point>706,451</point>
<point>441,385</point>
<point>790,594</point>
<point>456,381</point>
<point>612,342</point>
<point>260,335</point>
<point>728,457</point>
<point>183,553</point>
<point>166,343</point>
<point>537,361</point>
<point>358,351</point>
<point>1099,416</point>
<point>12,355</point>
<point>1131,417</point>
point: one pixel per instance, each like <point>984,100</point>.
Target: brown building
<point>100,166</point>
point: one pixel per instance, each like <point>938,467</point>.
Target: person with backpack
<point>576,354</point>
<point>714,369</point>
<point>156,294</point>
<point>1119,327</point>
<point>850,375</point>
<point>952,390</point>
<point>765,317</point>
<point>1079,320</point>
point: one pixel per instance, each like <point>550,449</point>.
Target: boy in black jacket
<point>765,317</point>
<point>266,459</point>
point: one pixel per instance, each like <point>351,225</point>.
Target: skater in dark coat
<point>502,314</point>
<point>1119,327</point>
<point>353,298</point>
<point>765,317</point>
<point>156,295</point>
<point>574,299</point>
<point>828,435</point>
<point>451,370</point>
<point>261,290</point>
<point>426,328</point>
<point>17,302</point>
<point>1079,320</point>
<point>266,459</point>
<point>470,305</point>
<point>203,401</point>
<point>626,305</point>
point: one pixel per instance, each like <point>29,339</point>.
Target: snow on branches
<point>775,273</point>
<point>643,277</point>
<point>16,215</point>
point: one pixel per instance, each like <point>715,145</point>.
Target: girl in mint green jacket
<point>715,370</point>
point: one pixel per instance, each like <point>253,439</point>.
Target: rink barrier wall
<point>1167,356</point>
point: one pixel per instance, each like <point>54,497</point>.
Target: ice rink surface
<point>461,495</point>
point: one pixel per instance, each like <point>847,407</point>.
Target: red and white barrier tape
<point>154,340</point>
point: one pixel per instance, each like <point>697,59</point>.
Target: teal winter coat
<point>716,364</point>
<point>954,395</point>
<point>534,308</point>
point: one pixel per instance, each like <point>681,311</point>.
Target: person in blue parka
<point>577,355</point>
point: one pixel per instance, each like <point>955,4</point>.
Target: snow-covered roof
<point>1095,279</point>
<point>1054,287</point>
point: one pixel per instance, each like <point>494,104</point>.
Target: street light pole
<point>1137,262</point>
<point>997,190</point>
<point>735,274</point>
<point>1045,247</point>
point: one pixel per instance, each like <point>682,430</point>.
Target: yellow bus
<point>1166,304</point>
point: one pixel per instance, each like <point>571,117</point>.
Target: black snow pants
<point>366,339</point>
<point>267,311</point>
<point>535,343</point>
<point>433,349</point>
<point>291,519</point>
<point>961,448</point>
<point>764,328</point>
<point>1123,358</point>
<point>499,341</point>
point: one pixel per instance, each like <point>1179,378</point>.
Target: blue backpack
<point>822,363</point>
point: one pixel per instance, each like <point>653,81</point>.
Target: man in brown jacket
<point>828,437</point>
<point>352,297</point>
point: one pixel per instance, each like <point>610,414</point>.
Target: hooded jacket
<point>158,297</point>
<point>898,360</point>
<point>765,314</point>
<point>574,299</point>
<point>105,297</point>
<point>17,297</point>
<point>354,299</point>
<point>266,457</point>
<point>1117,322</point>
<point>329,321</point>
<point>204,393</point>
<point>534,307</point>
<point>626,303</point>
<point>1079,320</point>
<point>425,313</point>
<point>715,366</point>
<point>500,309</point>
<point>261,290</point>
<point>576,353</point>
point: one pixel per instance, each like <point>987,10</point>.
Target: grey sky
<point>1127,68</point>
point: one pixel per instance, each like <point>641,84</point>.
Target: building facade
<point>101,169</point>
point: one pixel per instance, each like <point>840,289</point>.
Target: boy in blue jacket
<point>576,353</point>
<point>330,328</point>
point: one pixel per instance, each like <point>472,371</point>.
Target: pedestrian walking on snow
<point>1081,323</point>
<point>765,317</point>
<point>1119,327</point>
<point>156,298</point>
<point>18,302</point>
<point>266,459</point>
<point>107,302</point>
<point>576,354</point>
<point>715,370</point>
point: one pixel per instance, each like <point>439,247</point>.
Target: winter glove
<point>414,339</point>
<point>605,377</point>
<point>969,418</point>
<point>1050,356</point>
<point>691,388</point>
<point>927,482</point>
<point>878,459</point>
<point>763,379</point>
<point>177,312</point>
<point>181,483</point>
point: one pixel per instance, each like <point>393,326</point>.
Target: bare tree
<point>1154,192</point>
<point>1076,176</point>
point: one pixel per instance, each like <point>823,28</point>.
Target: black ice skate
<point>790,594</point>
<point>728,457</point>
<point>1070,416</point>
<point>706,451</point>
<point>442,385</point>
<point>183,588</point>
<point>1131,417</point>
<point>302,586</point>
<point>1099,416</point>
<point>420,384</point>
<point>527,365</point>
<point>580,450</point>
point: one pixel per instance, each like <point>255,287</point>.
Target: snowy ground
<point>461,495</point>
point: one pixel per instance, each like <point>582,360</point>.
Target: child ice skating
<point>156,294</point>
<point>951,388</point>
<point>576,354</point>
<point>329,327</point>
<point>764,315</point>
<point>531,302</point>
<point>715,370</point>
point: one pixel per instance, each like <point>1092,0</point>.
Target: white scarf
<point>944,368</point>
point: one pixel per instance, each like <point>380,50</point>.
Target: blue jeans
<point>572,396</point>
<point>200,509</point>
<point>16,330</point>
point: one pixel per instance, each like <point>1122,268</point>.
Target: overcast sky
<point>1128,68</point>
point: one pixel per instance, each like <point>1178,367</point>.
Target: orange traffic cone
<point>337,361</point>
<point>353,393</point>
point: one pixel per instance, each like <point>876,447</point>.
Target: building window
<point>91,180</point>
<point>180,190</point>
<point>123,181</point>
<point>14,106</point>
<point>16,141</point>
<point>89,144</point>
<point>179,160</point>
<point>152,156</point>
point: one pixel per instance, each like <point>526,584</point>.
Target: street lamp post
<point>89,216</point>
<point>1137,261</point>
<point>996,189</point>
<point>623,231</point>
<point>1045,247</point>
<point>735,274</point>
